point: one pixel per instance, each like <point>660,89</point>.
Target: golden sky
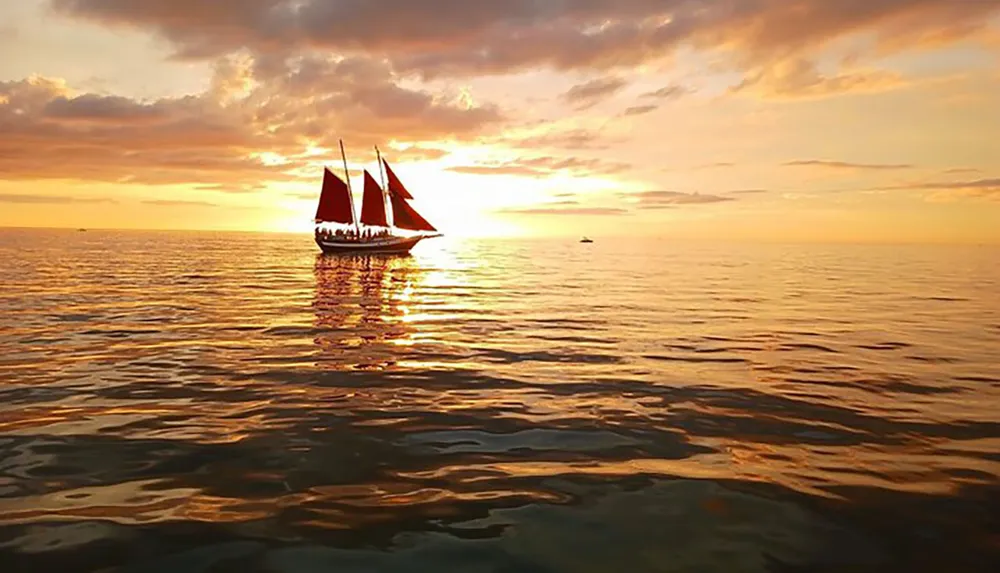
<point>847,120</point>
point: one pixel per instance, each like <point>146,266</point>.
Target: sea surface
<point>200,403</point>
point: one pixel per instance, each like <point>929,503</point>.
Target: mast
<point>385,194</point>
<point>350,193</point>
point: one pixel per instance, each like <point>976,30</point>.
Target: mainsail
<point>334,201</point>
<point>373,204</point>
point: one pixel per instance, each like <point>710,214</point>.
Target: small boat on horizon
<point>586,240</point>
<point>384,212</point>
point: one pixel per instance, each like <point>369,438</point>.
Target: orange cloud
<point>799,78</point>
<point>217,137</point>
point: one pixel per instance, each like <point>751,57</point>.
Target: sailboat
<point>384,212</point>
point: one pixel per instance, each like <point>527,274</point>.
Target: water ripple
<point>218,402</point>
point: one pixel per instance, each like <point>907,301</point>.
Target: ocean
<point>206,402</point>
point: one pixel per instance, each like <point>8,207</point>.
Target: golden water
<point>215,402</point>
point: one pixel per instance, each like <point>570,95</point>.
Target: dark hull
<point>393,245</point>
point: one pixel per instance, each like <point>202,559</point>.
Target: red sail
<point>405,217</point>
<point>372,204</point>
<point>334,201</point>
<point>395,185</point>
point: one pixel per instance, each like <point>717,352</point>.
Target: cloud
<point>572,140</point>
<point>668,92</point>
<point>800,79</point>
<point>988,189</point>
<point>178,203</point>
<point>591,93</point>
<point>105,109</point>
<point>848,166</point>
<point>747,192</point>
<point>640,110</point>
<point>503,37</point>
<point>236,187</point>
<point>255,124</point>
<point>703,166</point>
<point>28,199</point>
<point>667,199</point>
<point>544,167</point>
<point>578,211</point>
<point>993,183</point>
<point>415,153</point>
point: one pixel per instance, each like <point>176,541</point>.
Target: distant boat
<point>586,240</point>
<point>81,230</point>
<point>380,233</point>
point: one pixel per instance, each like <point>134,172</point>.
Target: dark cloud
<point>640,110</point>
<point>24,198</point>
<point>593,92</point>
<point>544,167</point>
<point>846,165</point>
<point>511,35</point>
<point>668,92</point>
<point>105,109</point>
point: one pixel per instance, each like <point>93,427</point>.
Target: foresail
<point>406,217</point>
<point>394,184</point>
<point>334,201</point>
<point>372,204</point>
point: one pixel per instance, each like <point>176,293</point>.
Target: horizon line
<point>683,239</point>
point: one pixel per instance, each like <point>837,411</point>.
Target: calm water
<point>229,402</point>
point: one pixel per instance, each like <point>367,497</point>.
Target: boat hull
<point>394,245</point>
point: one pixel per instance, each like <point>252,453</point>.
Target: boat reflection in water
<point>360,306</point>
